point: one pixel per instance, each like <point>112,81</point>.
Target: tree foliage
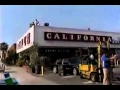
<point>34,58</point>
<point>13,56</point>
<point>3,48</point>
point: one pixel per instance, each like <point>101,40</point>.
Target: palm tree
<point>3,48</point>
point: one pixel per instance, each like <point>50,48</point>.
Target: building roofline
<point>77,29</point>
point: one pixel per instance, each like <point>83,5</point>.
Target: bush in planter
<point>13,56</point>
<point>32,68</point>
<point>7,61</point>
<point>20,63</point>
<point>37,68</point>
<point>37,65</point>
<point>34,58</point>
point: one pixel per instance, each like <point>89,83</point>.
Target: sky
<point>0,27</point>
<point>15,19</point>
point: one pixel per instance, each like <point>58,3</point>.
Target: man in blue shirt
<point>106,64</point>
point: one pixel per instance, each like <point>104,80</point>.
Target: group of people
<point>106,61</point>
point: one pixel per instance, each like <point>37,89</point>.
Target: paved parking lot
<point>49,78</point>
<point>66,80</point>
<point>75,80</point>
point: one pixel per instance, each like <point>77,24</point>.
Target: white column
<point>117,63</point>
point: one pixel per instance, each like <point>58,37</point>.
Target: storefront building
<point>57,42</point>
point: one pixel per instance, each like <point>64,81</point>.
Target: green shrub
<point>20,63</point>
<point>13,56</point>
<point>7,61</point>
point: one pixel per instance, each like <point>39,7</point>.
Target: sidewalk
<point>25,78</point>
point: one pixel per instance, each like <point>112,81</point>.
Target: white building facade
<point>46,36</point>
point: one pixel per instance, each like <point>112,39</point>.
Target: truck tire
<point>55,70</point>
<point>94,77</point>
<point>81,76</point>
<point>61,71</point>
<point>75,71</point>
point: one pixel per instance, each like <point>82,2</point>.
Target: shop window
<point>22,42</point>
<point>25,40</point>
<point>59,61</point>
<point>85,60</point>
<point>28,38</point>
<point>65,61</point>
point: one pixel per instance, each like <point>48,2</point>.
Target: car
<point>68,65</point>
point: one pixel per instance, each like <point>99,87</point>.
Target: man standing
<point>106,65</point>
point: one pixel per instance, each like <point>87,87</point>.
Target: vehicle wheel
<point>62,71</point>
<point>81,76</point>
<point>55,70</point>
<point>75,71</point>
<point>94,77</point>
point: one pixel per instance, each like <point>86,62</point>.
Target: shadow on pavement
<point>116,79</point>
<point>7,68</point>
<point>62,80</point>
<point>11,71</point>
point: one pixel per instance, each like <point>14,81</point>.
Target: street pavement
<point>116,79</point>
<point>75,80</point>
<point>25,78</point>
<point>67,80</point>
